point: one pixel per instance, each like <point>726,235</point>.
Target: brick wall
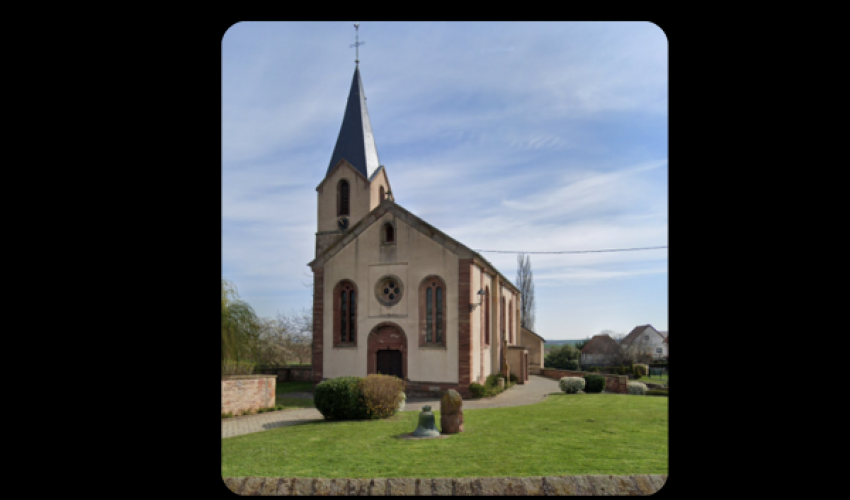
<point>464,327</point>
<point>288,373</point>
<point>318,324</point>
<point>613,383</point>
<point>243,392</point>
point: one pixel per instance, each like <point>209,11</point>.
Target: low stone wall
<point>643,484</point>
<point>613,383</point>
<point>243,392</point>
<point>289,373</point>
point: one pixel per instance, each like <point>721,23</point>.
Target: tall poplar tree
<point>525,282</point>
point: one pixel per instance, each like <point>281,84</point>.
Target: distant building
<point>648,341</point>
<point>601,350</point>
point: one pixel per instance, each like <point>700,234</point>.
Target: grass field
<point>654,379</point>
<point>563,435</point>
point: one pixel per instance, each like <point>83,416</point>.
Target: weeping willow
<point>240,327</point>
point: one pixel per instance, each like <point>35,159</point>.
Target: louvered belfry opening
<point>342,198</point>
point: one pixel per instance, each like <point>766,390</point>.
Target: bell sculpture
<point>426,424</point>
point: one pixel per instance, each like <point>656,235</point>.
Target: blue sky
<point>529,136</point>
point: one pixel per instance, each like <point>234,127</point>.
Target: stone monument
<point>451,412</point>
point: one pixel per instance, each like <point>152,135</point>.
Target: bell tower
<point>355,181</point>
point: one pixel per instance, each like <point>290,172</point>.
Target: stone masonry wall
<point>642,484</point>
<point>242,392</point>
<point>613,383</point>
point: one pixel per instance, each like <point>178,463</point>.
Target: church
<point>395,295</point>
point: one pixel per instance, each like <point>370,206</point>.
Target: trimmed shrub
<point>594,383</point>
<point>493,380</point>
<point>381,394</point>
<point>477,390</point>
<point>637,388</point>
<point>657,392</point>
<point>513,378</point>
<point>571,385</point>
<point>340,399</point>
<point>641,370</point>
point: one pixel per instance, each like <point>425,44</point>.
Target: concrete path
<point>534,391</point>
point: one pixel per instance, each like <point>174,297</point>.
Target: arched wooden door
<point>387,351</point>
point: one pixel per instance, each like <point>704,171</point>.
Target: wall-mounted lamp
<point>480,294</point>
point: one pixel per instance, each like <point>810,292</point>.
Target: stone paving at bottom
<point>589,485</point>
<point>534,391</point>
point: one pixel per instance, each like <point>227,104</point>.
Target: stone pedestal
<point>501,383</point>
<point>451,412</point>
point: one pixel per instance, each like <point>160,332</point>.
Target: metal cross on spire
<point>357,43</point>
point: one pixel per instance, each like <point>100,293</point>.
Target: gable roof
<point>388,205</point>
<point>524,329</point>
<point>637,332</point>
<point>601,344</point>
<point>355,141</point>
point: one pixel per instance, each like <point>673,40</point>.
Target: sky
<point>511,136</point>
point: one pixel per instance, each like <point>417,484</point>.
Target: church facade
<point>395,295</point>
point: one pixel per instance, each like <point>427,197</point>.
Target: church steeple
<point>355,141</point>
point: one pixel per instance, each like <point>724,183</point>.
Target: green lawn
<point>284,387</point>
<point>654,379</point>
<point>563,435</point>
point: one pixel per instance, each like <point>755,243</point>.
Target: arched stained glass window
<point>439,314</point>
<point>345,312</point>
<point>352,313</point>
<point>432,308</point>
<point>429,322</point>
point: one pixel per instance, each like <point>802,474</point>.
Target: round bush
<point>381,394</point>
<point>512,377</point>
<point>340,399</point>
<point>493,380</point>
<point>571,385</point>
<point>477,390</point>
<point>637,388</point>
<point>594,383</point>
<point>641,370</point>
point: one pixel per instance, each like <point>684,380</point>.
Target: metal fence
<point>660,373</point>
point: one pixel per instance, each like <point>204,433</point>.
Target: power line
<point>577,251</point>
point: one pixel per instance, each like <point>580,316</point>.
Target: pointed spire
<point>355,141</point>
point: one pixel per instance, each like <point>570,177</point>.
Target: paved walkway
<point>533,391</point>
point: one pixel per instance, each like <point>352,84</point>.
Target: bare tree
<point>525,282</point>
<point>299,340</point>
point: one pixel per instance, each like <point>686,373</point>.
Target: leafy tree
<point>564,357</point>
<point>581,343</point>
<point>240,327</point>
